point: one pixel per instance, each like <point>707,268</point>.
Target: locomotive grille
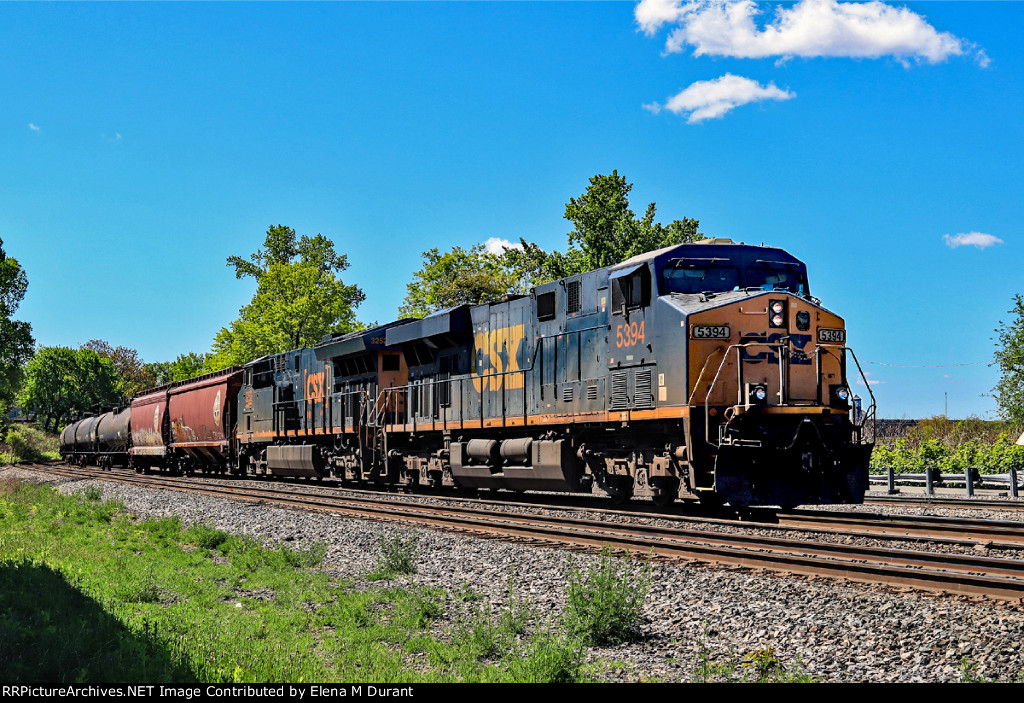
<point>591,392</point>
<point>566,393</point>
<point>573,292</point>
<point>620,393</point>
<point>644,382</point>
<point>279,363</point>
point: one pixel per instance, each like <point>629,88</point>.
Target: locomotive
<point>702,371</point>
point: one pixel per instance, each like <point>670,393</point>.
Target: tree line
<point>301,296</point>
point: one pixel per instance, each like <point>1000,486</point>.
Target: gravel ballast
<point>829,629</point>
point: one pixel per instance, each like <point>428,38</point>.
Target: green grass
<point>605,602</point>
<point>90,593</point>
<point>397,557</point>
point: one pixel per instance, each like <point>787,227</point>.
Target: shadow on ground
<point>50,632</point>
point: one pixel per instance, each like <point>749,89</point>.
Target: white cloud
<point>497,245</point>
<point>710,99</point>
<point>809,28</point>
<point>871,381</point>
<point>115,138</point>
<point>974,239</point>
<point>34,128</point>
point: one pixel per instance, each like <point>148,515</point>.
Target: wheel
<point>663,499</point>
<point>620,498</point>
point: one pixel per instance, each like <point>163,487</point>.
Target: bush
<point>952,447</point>
<point>397,557</point>
<point>605,604</point>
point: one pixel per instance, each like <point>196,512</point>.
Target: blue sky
<point>143,144</point>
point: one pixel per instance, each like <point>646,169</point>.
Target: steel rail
<point>963,574</point>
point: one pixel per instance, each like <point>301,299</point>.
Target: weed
<point>304,558</point>
<point>467,594</point>
<point>93,493</point>
<point>418,609</point>
<point>764,663</point>
<point>605,604</point>
<point>969,672</point>
<point>397,557</point>
<point>550,657</point>
<point>206,536</point>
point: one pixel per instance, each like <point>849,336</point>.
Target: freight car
<point>102,440</point>
<point>702,371</point>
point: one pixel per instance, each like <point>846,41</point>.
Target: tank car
<point>702,371</point>
<point>99,440</point>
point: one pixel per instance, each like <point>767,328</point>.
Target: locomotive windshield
<point>700,277</point>
<point>776,275</point>
<point>721,275</point>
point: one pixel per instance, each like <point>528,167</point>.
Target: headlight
<point>839,396</point>
<point>757,394</point>
<point>777,313</point>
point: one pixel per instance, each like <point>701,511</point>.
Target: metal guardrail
<point>970,479</point>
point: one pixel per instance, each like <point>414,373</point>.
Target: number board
<point>711,331</point>
<point>832,336</point>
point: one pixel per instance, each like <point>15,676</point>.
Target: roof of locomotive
<point>741,254</point>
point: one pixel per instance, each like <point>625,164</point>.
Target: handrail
<point>781,348</point>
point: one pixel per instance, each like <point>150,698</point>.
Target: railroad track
<point>975,503</point>
<point>968,574</point>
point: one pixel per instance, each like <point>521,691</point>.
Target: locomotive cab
<point>764,377</point>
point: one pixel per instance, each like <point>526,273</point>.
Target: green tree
<point>16,343</point>
<point>133,375</point>
<point>1009,357</point>
<point>62,382</point>
<point>456,277</point>
<point>607,232</point>
<point>300,297</point>
<point>186,366</point>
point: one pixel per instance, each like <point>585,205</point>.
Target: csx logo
<point>315,386</point>
<point>797,342</point>
<point>497,359</point>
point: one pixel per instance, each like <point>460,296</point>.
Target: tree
<point>132,373</point>
<point>299,298</point>
<point>1009,356</point>
<point>457,277</point>
<point>607,232</point>
<point>62,382</point>
<point>186,366</point>
<point>16,343</point>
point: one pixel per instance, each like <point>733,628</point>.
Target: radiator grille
<point>573,291</point>
<point>566,393</point>
<point>644,397</point>
<point>620,393</point>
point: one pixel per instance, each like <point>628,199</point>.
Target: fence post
<point>1013,481</point>
<point>892,481</point>
<point>929,486</point>
<point>969,477</point>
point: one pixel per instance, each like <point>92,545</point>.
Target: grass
<point>397,557</point>
<point>605,602</point>
<point>91,593</point>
